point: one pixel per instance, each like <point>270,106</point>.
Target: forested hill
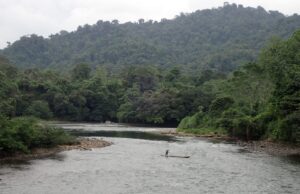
<point>219,39</point>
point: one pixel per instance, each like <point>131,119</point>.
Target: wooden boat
<point>171,156</point>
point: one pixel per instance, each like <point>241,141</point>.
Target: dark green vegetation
<point>260,100</point>
<point>168,73</point>
<point>23,134</point>
<point>136,95</point>
<point>220,39</point>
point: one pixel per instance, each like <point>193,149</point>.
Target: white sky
<point>45,17</point>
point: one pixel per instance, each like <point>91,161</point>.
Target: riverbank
<point>206,136</point>
<point>38,153</point>
<point>271,147</point>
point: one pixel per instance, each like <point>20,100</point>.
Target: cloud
<point>45,17</point>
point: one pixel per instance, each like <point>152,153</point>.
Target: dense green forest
<point>202,72</point>
<point>259,100</point>
<point>220,39</point>
<point>20,131</point>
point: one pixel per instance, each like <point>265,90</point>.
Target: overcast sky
<point>45,17</point>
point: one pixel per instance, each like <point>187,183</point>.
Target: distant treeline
<point>219,39</point>
<point>259,100</point>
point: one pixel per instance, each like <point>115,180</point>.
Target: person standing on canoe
<point>167,153</point>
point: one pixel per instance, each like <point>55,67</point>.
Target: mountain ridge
<point>221,39</point>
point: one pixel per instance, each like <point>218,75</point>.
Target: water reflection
<point>14,163</point>
<point>124,134</point>
<point>58,157</point>
<point>24,163</point>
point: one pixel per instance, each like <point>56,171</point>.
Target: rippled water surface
<point>136,165</point>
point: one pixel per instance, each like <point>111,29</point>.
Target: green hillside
<point>220,39</point>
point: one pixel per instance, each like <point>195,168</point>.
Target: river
<point>134,164</point>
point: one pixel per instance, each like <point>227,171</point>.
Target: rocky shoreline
<point>271,147</point>
<point>82,144</point>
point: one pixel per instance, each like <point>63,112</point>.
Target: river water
<point>134,164</point>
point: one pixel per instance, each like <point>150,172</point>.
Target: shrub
<point>228,120</point>
<point>24,133</point>
<point>242,127</point>
<point>191,121</point>
<point>226,123</point>
<point>185,123</point>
